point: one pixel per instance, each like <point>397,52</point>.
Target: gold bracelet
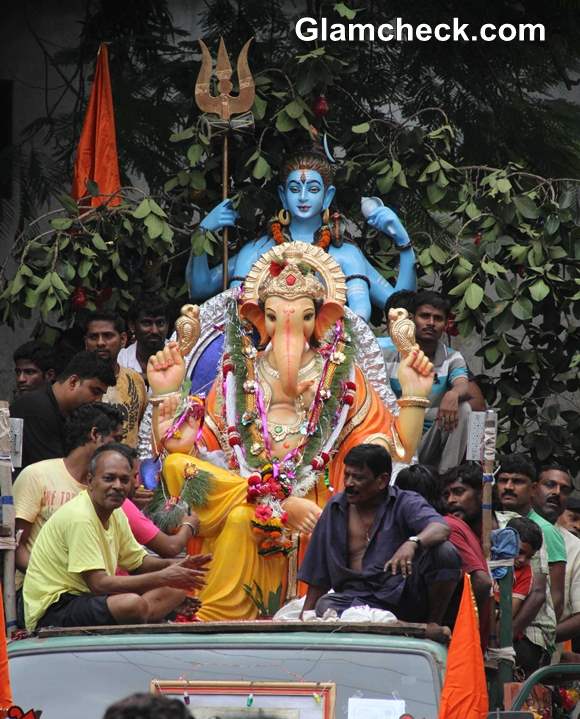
<point>159,398</point>
<point>411,401</point>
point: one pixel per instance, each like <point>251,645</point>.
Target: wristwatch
<point>416,540</point>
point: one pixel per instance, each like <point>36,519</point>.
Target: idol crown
<point>291,279</point>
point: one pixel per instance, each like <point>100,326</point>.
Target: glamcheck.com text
<point>308,28</point>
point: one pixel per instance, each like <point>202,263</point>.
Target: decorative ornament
<point>320,107</point>
<point>297,253</point>
<point>402,330</point>
<point>188,328</point>
<point>284,217</point>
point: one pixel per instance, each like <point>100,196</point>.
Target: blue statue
<point>306,194</point>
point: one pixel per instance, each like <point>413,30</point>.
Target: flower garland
<point>280,237</point>
<point>271,480</point>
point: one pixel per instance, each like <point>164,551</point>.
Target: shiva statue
<point>306,193</point>
<point>288,403</point>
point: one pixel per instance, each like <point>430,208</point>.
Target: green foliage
<point>268,608</point>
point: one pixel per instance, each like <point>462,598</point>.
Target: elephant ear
<point>327,315</point>
<point>252,312</point>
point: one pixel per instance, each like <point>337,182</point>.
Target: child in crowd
<point>530,542</point>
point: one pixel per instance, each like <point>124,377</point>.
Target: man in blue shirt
<point>380,546</point>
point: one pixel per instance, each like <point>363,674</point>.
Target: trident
<point>224,106</point>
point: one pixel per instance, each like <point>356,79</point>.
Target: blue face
<point>304,194</point>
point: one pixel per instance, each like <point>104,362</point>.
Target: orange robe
<point>225,519</point>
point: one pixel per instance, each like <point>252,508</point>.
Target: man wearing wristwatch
<point>379,546</point>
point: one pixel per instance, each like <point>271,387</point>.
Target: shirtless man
<point>395,556</point>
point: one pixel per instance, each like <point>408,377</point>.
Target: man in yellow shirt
<point>71,578</point>
<point>106,335</point>
<point>43,487</point>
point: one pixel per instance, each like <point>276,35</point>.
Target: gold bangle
<point>159,398</point>
<point>411,401</point>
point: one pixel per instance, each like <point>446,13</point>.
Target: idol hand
<point>416,374</point>
<point>222,215</point>
<point>302,514</point>
<point>166,370</point>
<point>387,221</point>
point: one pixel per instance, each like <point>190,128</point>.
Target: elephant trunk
<point>287,348</point>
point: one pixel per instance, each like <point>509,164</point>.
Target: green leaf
<point>58,284</point>
<point>396,168</point>
<point>259,107</point>
<point>45,283</point>
<point>156,209</point>
<point>197,180</point>
<point>31,299</point>
<point>504,185</point>
<point>93,188</point>
<point>473,296</point>
<point>143,209</point>
<point>84,269</point>
<point>186,134</point>
<point>294,109</point>
<point>361,129</point>
<point>261,168</point>
<point>17,284</point>
<point>194,154</point>
<point>284,123</point>
<point>504,289</point>
<point>459,290</point>
<point>121,273</point>
<point>68,203</point>
<point>552,224</point>
<point>438,254</point>
<point>61,223</point>
<point>344,11</point>
<point>154,226</point>
<point>171,184</point>
<point>98,242</point>
<point>526,207</point>
<point>435,193</point>
<point>522,309</point>
<point>385,183</point>
<point>492,355</point>
<point>539,290</point>
<point>128,226</point>
<point>472,211</point>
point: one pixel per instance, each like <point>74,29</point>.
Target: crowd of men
<point>89,555</point>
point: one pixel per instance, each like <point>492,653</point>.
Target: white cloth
<point>128,358</point>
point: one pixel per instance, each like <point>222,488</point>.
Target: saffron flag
<point>464,694</point>
<point>96,157</point>
<point>5,688</point>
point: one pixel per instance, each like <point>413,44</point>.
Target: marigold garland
<point>280,237</point>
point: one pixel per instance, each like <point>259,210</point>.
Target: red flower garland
<point>280,238</point>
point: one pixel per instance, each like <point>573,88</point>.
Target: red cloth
<point>467,544</point>
<point>464,694</point>
<point>97,158</point>
<point>523,580</point>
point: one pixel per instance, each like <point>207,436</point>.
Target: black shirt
<point>325,565</point>
<point>43,432</point>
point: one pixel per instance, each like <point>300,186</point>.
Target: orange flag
<point>5,688</point>
<point>464,694</point>
<point>97,158</point>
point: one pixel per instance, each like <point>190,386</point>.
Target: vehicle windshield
<point>83,683</point>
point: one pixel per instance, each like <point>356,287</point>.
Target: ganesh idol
<point>288,403</point>
<point>306,192</point>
